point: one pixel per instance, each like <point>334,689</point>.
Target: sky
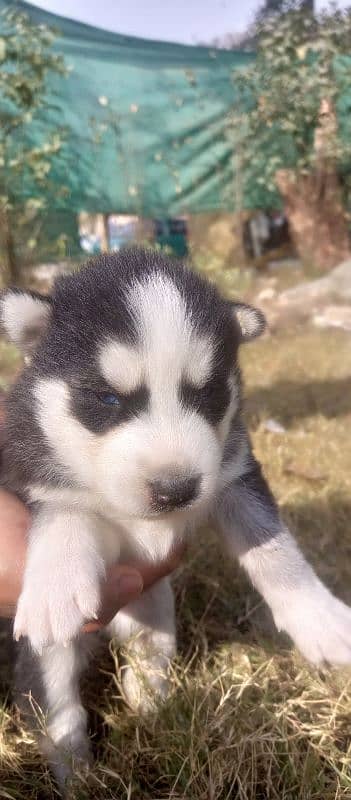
<point>187,21</point>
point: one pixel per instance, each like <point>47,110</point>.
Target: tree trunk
<point>316,216</point>
<point>241,258</point>
<point>314,202</point>
<point>10,272</point>
<point>105,233</point>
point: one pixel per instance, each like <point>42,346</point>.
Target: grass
<point>247,717</point>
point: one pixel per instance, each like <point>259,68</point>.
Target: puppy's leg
<point>47,688</point>
<point>247,516</point>
<point>61,587</point>
<point>147,627</point>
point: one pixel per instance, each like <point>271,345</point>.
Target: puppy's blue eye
<point>108,398</point>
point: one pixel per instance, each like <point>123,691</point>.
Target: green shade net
<point>147,122</point>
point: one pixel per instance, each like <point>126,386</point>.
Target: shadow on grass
<point>288,400</point>
<point>216,603</point>
<point>216,606</point>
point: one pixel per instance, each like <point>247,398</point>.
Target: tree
<point>26,63</point>
<point>277,7</point>
<point>290,135</point>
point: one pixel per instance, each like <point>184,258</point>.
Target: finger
<point>123,584</point>
<point>14,525</point>
<point>148,574</point>
<point>154,572</point>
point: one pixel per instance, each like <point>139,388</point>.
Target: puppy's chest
<point>124,540</point>
<point>138,540</point>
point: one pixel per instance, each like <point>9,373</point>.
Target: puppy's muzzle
<point>174,491</point>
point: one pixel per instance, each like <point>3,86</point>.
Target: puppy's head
<point>134,378</point>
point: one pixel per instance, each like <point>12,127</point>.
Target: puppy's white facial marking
<point>172,347</point>
<point>121,366</point>
<point>197,368</point>
<point>72,443</point>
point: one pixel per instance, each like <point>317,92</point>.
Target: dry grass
<point>247,717</point>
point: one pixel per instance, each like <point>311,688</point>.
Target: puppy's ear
<point>251,321</point>
<point>24,317</point>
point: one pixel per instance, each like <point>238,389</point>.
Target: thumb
<point>122,585</point>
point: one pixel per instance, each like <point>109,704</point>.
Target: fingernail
<point>131,583</point>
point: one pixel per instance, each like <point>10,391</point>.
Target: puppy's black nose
<point>171,492</point>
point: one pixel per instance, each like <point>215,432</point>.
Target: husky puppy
<point>123,432</point>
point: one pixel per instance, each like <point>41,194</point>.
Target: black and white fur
<point>123,432</point>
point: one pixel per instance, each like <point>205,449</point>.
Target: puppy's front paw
<point>318,623</point>
<point>57,599</point>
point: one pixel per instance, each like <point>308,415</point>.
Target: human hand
<point>124,582</point>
